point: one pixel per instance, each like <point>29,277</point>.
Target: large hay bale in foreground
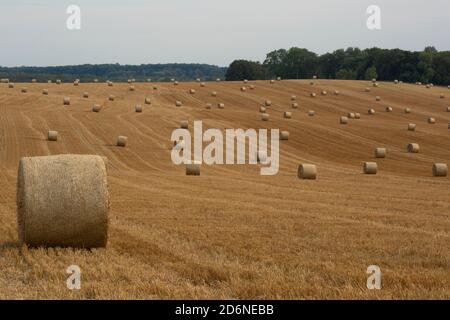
<point>440,170</point>
<point>413,148</point>
<point>52,135</point>
<point>380,153</point>
<point>307,172</point>
<point>63,201</point>
<point>122,141</point>
<point>370,167</point>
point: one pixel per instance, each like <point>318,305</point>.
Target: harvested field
<point>230,232</point>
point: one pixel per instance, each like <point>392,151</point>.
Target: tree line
<point>114,72</point>
<point>427,66</point>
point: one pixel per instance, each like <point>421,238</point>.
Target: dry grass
<point>245,235</point>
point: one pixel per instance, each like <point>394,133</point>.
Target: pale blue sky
<point>209,31</point>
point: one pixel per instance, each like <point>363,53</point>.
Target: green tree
<point>371,73</point>
<point>243,69</point>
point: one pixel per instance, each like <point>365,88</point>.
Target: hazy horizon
<point>141,32</point>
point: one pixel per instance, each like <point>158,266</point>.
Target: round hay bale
<point>357,115</point>
<point>175,83</point>
<point>243,89</point>
<point>218,80</point>
<point>442,96</point>
<point>278,78</point>
<point>202,84</point>
<point>76,83</point>
<point>307,172</point>
<point>380,153</point>
<point>336,92</point>
<point>370,167</point>
<point>245,81</point>
<point>312,94</point>
<point>265,117</point>
<point>192,91</point>
<point>324,93</point>
<point>440,170</point>
<point>221,105</point>
<point>428,86</point>
<point>193,168</point>
<point>314,77</point>
<point>413,148</point>
<point>85,95</point>
<point>367,89</point>
<point>311,113</point>
<point>351,115</point>
<point>375,85</point>
<point>411,127</point>
<point>58,81</point>
<point>252,87</point>
<point>198,80</point>
<point>449,125</point>
<point>66,101</point>
<point>389,109</point>
<point>178,103</point>
<point>95,80</point>
<point>431,120</point>
<point>111,97</point>
<point>155,88</point>
<point>33,80</point>
<point>287,115</point>
<point>208,106</point>
<point>448,109</point>
<point>261,157</point>
<point>293,98</point>
<point>172,80</point>
<point>52,135</point>
<point>122,141</point>
<point>284,135</point>
<point>129,81</point>
<point>184,124</point>
<point>147,101</point>
<point>407,110</point>
<point>378,98</point>
<point>49,81</point>
<point>63,201</point>
<point>374,80</point>
<point>45,92</point>
<point>371,111</point>
<point>396,81</point>
<point>138,108</point>
<point>272,81</point>
<point>24,90</point>
<point>96,108</point>
<point>10,85</point>
<point>131,88</point>
<point>214,94</point>
<point>294,105</point>
<point>267,103</point>
<point>343,120</point>
<point>262,109</point>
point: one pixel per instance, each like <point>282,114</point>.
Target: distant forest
<point>427,66</point>
<point>114,72</point>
